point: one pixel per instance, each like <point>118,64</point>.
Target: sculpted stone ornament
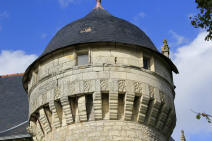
<point>104,85</point>
<point>165,48</point>
<point>122,85</point>
<point>86,85</point>
<point>138,87</point>
<point>56,93</point>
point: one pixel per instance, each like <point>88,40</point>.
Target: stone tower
<point>101,79</point>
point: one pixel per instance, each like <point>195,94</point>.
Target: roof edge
<point>15,137</point>
<point>9,75</point>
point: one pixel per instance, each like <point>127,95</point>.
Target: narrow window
<point>82,58</point>
<point>146,63</point>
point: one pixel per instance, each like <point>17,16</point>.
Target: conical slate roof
<point>99,26</point>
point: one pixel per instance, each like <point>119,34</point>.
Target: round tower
<point>101,79</point>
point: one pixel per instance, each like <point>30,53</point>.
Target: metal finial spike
<point>98,4</point>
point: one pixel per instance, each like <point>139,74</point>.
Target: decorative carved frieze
<point>86,86</point>
<point>121,86</point>
<point>56,93</point>
<point>152,107</point>
<point>138,87</point>
<point>104,85</point>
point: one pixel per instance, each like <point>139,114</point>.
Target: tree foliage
<point>204,115</point>
<point>204,18</point>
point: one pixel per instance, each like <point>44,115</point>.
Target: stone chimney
<point>165,48</point>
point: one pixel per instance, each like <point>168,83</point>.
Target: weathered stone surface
<point>56,120</point>
<point>68,117</point>
<point>112,98</point>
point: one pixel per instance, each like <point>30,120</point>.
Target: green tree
<point>204,18</point>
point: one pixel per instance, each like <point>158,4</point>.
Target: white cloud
<point>178,39</point>
<point>14,61</point>
<point>136,19</point>
<point>4,14</point>
<point>65,3</point>
<point>141,14</point>
<point>44,35</point>
<point>194,86</point>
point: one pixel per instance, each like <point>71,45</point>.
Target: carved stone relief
<point>138,87</point>
<point>104,85</point>
<point>86,86</point>
<point>121,86</point>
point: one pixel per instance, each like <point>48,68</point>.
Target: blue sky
<point>26,27</point>
<point>30,24</point>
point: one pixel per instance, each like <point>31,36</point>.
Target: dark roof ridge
<point>9,75</point>
<point>19,136</point>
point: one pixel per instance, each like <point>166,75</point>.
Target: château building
<point>99,79</point>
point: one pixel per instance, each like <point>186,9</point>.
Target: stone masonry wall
<point>110,98</point>
<point>106,130</point>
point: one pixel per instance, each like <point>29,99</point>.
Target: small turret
<point>165,48</point>
<point>182,138</point>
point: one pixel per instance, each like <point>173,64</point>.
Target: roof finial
<point>182,138</point>
<point>165,48</point>
<point>98,4</point>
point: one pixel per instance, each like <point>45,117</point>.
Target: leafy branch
<point>204,18</point>
<point>204,115</point>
